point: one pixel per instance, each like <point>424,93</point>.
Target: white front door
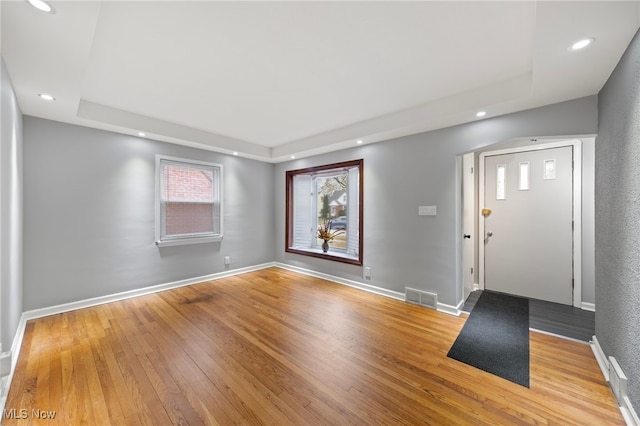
<point>528,233</point>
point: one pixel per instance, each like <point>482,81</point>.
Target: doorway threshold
<point>553,318</point>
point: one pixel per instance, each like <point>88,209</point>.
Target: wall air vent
<point>422,298</point>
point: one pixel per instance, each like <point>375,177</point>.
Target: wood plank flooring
<point>275,347</point>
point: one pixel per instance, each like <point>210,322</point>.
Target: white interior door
<point>528,233</point>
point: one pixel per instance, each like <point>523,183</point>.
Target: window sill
<point>338,256</point>
<point>186,241</point>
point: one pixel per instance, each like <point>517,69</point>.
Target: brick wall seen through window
<point>189,206</point>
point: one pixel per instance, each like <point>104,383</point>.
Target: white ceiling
<point>275,79</point>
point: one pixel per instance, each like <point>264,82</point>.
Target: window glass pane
<point>187,184</point>
<point>353,216</point>
<point>188,195</point>
<point>331,207</point>
<point>303,228</point>
<point>324,203</point>
<point>189,204</point>
<point>188,218</point>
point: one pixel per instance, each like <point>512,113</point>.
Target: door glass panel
<point>549,169</point>
<point>524,176</point>
<point>501,170</point>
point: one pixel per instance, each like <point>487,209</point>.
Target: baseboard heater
<point>617,380</point>
<point>422,298</point>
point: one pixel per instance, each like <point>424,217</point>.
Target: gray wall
<point>10,212</point>
<point>588,221</point>
<point>617,192</point>
<point>402,248</point>
<point>89,215</point>
<point>89,218</point>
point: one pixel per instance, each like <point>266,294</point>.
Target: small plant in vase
<point>326,235</point>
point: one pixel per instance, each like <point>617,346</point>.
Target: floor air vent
<point>422,298</point>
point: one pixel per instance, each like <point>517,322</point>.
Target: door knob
<point>467,236</point>
<point>489,234</point>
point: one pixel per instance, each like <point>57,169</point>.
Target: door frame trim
<point>576,144</point>
<point>468,195</point>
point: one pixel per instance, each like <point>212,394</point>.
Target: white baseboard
<point>629,414</point>
<point>588,306</point>
<point>448,309</point>
<point>355,284</point>
<point>94,301</point>
<point>627,410</point>
<point>603,362</point>
<point>5,383</point>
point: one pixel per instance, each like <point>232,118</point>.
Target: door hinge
<point>573,283</point>
<point>472,270</point>
<point>573,224</point>
<point>472,170</point>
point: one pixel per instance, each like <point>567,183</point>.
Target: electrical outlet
<point>227,260</point>
<point>367,273</point>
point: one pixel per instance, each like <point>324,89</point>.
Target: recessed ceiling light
<point>46,97</point>
<point>293,157</point>
<point>235,152</point>
<point>142,134</point>
<point>359,142</point>
<point>581,44</point>
<point>42,6</point>
<point>481,113</point>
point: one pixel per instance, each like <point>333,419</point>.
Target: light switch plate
<point>427,210</point>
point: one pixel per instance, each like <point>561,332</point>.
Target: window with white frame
<point>326,198</point>
<point>188,201</point>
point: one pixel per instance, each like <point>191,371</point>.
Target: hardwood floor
<point>275,347</point>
